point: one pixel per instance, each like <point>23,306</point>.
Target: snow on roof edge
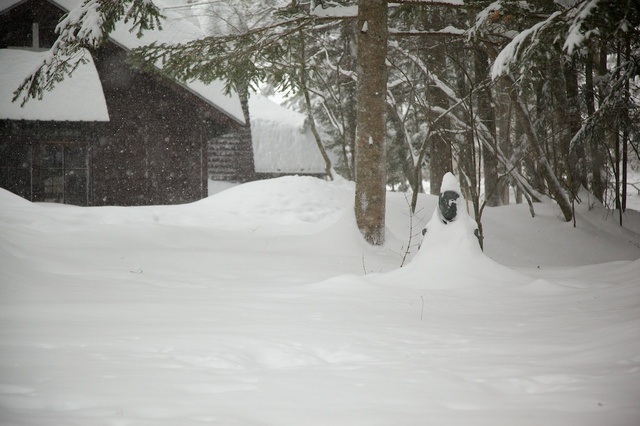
<point>79,98</point>
<point>198,93</point>
<point>212,93</point>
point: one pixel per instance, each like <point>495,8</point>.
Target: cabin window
<point>62,167</point>
<point>52,171</point>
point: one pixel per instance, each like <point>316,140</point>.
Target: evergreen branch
<point>421,33</point>
<point>442,3</point>
<point>87,25</point>
<point>47,75</point>
<point>241,60</point>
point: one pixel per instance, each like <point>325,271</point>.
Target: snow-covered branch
<point>577,34</point>
<point>449,31</point>
<point>520,44</point>
<point>87,25</point>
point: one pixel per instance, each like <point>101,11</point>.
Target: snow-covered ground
<point>261,305</point>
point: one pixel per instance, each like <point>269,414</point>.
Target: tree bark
<point>370,162</point>
<point>597,163</point>
<point>625,134</point>
<point>553,184</point>
<point>246,170</point>
<point>505,131</point>
<point>565,165</point>
<point>487,115</point>
<point>440,151</point>
<point>577,153</point>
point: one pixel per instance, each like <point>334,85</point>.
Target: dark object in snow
<point>447,203</point>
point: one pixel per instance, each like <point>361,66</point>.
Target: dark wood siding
<point>122,172</point>
<point>229,159</point>
<point>153,150</point>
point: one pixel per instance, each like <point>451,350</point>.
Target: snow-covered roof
<point>282,142</point>
<point>175,29</point>
<point>78,98</point>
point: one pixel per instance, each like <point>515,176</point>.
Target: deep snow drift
<point>261,305</point>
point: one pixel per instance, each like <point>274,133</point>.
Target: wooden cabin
<point>117,135</point>
<point>152,147</point>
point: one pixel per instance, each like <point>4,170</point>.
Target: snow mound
<point>9,199</point>
<point>291,205</point>
<point>546,287</point>
<point>288,200</point>
<point>450,255</point>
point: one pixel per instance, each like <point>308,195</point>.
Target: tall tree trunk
<point>577,153</point>
<point>433,52</point>
<point>546,171</point>
<point>245,169</point>
<point>594,139</point>
<point>505,136</point>
<point>466,158</point>
<point>371,167</point>
<point>562,120</point>
<point>625,134</point>
<point>531,163</point>
<point>487,115</point>
<point>617,141</point>
<point>519,137</point>
<point>440,160</point>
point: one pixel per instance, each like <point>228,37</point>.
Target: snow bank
<point>285,202</point>
<point>262,305</point>
<point>9,199</point>
<point>450,255</point>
